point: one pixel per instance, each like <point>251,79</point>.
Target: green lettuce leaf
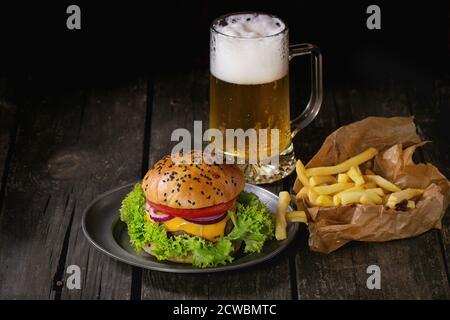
<point>132,212</point>
<point>252,224</point>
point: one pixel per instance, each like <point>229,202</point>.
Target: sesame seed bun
<point>177,182</point>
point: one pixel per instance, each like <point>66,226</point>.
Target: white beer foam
<point>249,49</point>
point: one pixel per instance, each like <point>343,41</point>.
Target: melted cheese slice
<point>207,231</point>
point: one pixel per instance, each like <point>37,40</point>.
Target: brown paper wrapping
<point>396,139</point>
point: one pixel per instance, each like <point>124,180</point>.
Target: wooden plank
<point>179,99</point>
<point>268,280</point>
<point>174,94</point>
<point>410,269</point>
<point>29,215</point>
<point>72,145</point>
<point>321,276</point>
<point>429,102</point>
<point>426,277</point>
<point>7,119</point>
<point>116,115</point>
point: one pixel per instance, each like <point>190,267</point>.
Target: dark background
<point>141,37</point>
<point>83,112</point>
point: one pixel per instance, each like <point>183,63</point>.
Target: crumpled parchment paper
<point>396,139</point>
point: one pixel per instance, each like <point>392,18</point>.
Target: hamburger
<point>195,212</point>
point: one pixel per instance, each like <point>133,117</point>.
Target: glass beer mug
<point>249,93</point>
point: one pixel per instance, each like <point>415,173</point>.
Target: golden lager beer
<point>248,106</point>
<point>249,89</point>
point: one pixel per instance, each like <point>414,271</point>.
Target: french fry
<point>280,218</point>
<point>336,200</point>
<point>318,180</point>
<point>344,184</point>
<point>378,191</point>
<point>370,185</point>
<point>411,204</point>
<point>373,197</point>
<point>332,188</point>
<point>397,197</point>
<point>343,178</point>
<point>303,193</point>
<point>359,188</point>
<point>324,201</point>
<point>382,182</point>
<point>301,173</point>
<point>365,200</point>
<point>312,197</point>
<point>296,216</point>
<point>370,197</point>
<point>344,166</point>
<point>350,197</point>
<point>355,174</point>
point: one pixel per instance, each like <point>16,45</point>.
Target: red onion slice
<point>207,220</point>
<point>158,217</point>
<point>162,217</point>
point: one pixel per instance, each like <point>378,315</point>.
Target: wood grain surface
<point>62,144</point>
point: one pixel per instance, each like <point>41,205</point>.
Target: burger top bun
<point>177,181</point>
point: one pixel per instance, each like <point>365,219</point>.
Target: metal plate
<point>103,228</point>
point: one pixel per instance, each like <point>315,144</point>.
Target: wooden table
<point>64,142</point>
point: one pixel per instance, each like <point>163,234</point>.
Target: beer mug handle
<point>316,97</point>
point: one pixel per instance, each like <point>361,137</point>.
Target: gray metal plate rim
<point>112,248</point>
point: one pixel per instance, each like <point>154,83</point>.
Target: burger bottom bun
<point>187,259</point>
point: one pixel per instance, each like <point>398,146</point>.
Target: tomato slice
<point>193,213</point>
